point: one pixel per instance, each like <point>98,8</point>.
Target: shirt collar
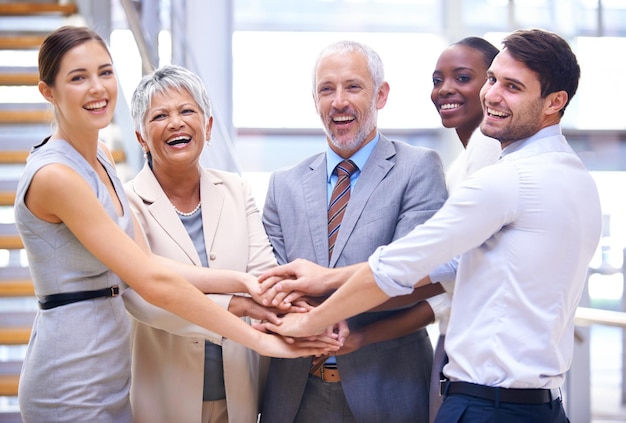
<point>548,131</point>
<point>359,158</point>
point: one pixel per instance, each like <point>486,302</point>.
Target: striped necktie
<point>339,201</point>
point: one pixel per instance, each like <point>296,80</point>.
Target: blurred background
<point>256,58</point>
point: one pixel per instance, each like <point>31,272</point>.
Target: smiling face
<point>514,109</point>
<point>175,131</point>
<point>85,89</point>
<point>347,101</point>
<point>458,77</point>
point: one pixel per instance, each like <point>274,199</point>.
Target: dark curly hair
<point>488,50</point>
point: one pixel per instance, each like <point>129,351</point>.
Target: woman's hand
<point>245,306</point>
<point>276,346</point>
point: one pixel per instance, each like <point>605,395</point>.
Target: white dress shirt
<point>526,229</point>
<point>480,151</point>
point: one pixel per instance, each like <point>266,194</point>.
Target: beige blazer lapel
<point>160,207</point>
<point>211,194</point>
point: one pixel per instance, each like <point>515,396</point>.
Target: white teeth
<point>178,139</point>
<point>342,118</point>
<point>449,106</point>
<point>96,105</point>
<point>496,113</point>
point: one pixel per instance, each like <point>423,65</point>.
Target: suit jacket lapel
<point>375,170</point>
<point>159,206</point>
<point>315,203</point>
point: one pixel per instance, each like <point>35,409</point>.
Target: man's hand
<point>277,346</point>
<point>287,283</point>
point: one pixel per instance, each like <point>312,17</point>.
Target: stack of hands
<point>283,298</point>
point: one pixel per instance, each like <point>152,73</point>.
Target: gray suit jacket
<point>399,187</point>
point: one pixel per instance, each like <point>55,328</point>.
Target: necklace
<point>188,213</point>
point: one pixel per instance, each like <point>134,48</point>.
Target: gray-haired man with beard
<point>392,187</point>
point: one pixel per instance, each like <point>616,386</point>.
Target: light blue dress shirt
<point>359,158</point>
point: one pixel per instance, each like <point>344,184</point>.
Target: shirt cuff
<point>440,305</point>
<point>384,282</point>
<point>445,272</point>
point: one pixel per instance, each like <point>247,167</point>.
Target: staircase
<point>25,119</point>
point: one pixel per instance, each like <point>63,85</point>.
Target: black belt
<point>514,395</point>
<point>55,300</point>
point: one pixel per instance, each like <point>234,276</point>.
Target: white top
<point>527,228</point>
<point>481,151</point>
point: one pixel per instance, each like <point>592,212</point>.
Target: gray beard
<point>355,143</point>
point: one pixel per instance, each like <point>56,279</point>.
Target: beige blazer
<point>167,351</point>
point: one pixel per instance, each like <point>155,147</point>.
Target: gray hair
<point>374,63</point>
<point>162,80</point>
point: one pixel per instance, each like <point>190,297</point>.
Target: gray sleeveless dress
<point>77,365</point>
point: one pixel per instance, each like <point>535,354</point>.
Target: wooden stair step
<point>7,192</point>
<point>7,198</point>
<point>9,379</point>
<point>13,157</point>
<point>17,288</point>
<point>19,157</point>
<point>29,9</point>
<point>26,116</point>
<point>21,42</point>
<point>9,238</point>
<point>14,336</point>
<point>16,327</point>
<point>16,282</point>
<point>19,78</point>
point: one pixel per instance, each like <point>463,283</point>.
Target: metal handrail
<point>147,59</point>
<point>586,316</point>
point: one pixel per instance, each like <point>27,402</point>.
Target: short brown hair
<point>549,56</point>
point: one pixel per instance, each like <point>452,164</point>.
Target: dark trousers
<point>468,409</point>
<point>323,402</point>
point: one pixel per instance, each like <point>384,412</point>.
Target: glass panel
<point>490,14</point>
<point>535,13</point>
<point>334,15</point>
<point>614,17</point>
<point>601,86</point>
<point>277,94</point>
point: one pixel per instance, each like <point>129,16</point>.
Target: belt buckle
<point>442,386</point>
<point>115,291</point>
<point>327,366</point>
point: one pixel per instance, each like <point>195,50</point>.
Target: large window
<point>276,41</point>
<point>272,77</point>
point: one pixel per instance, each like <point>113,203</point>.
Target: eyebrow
<point>463,68</point>
<point>106,65</point>
<point>456,70</point>
<point>513,80</point>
